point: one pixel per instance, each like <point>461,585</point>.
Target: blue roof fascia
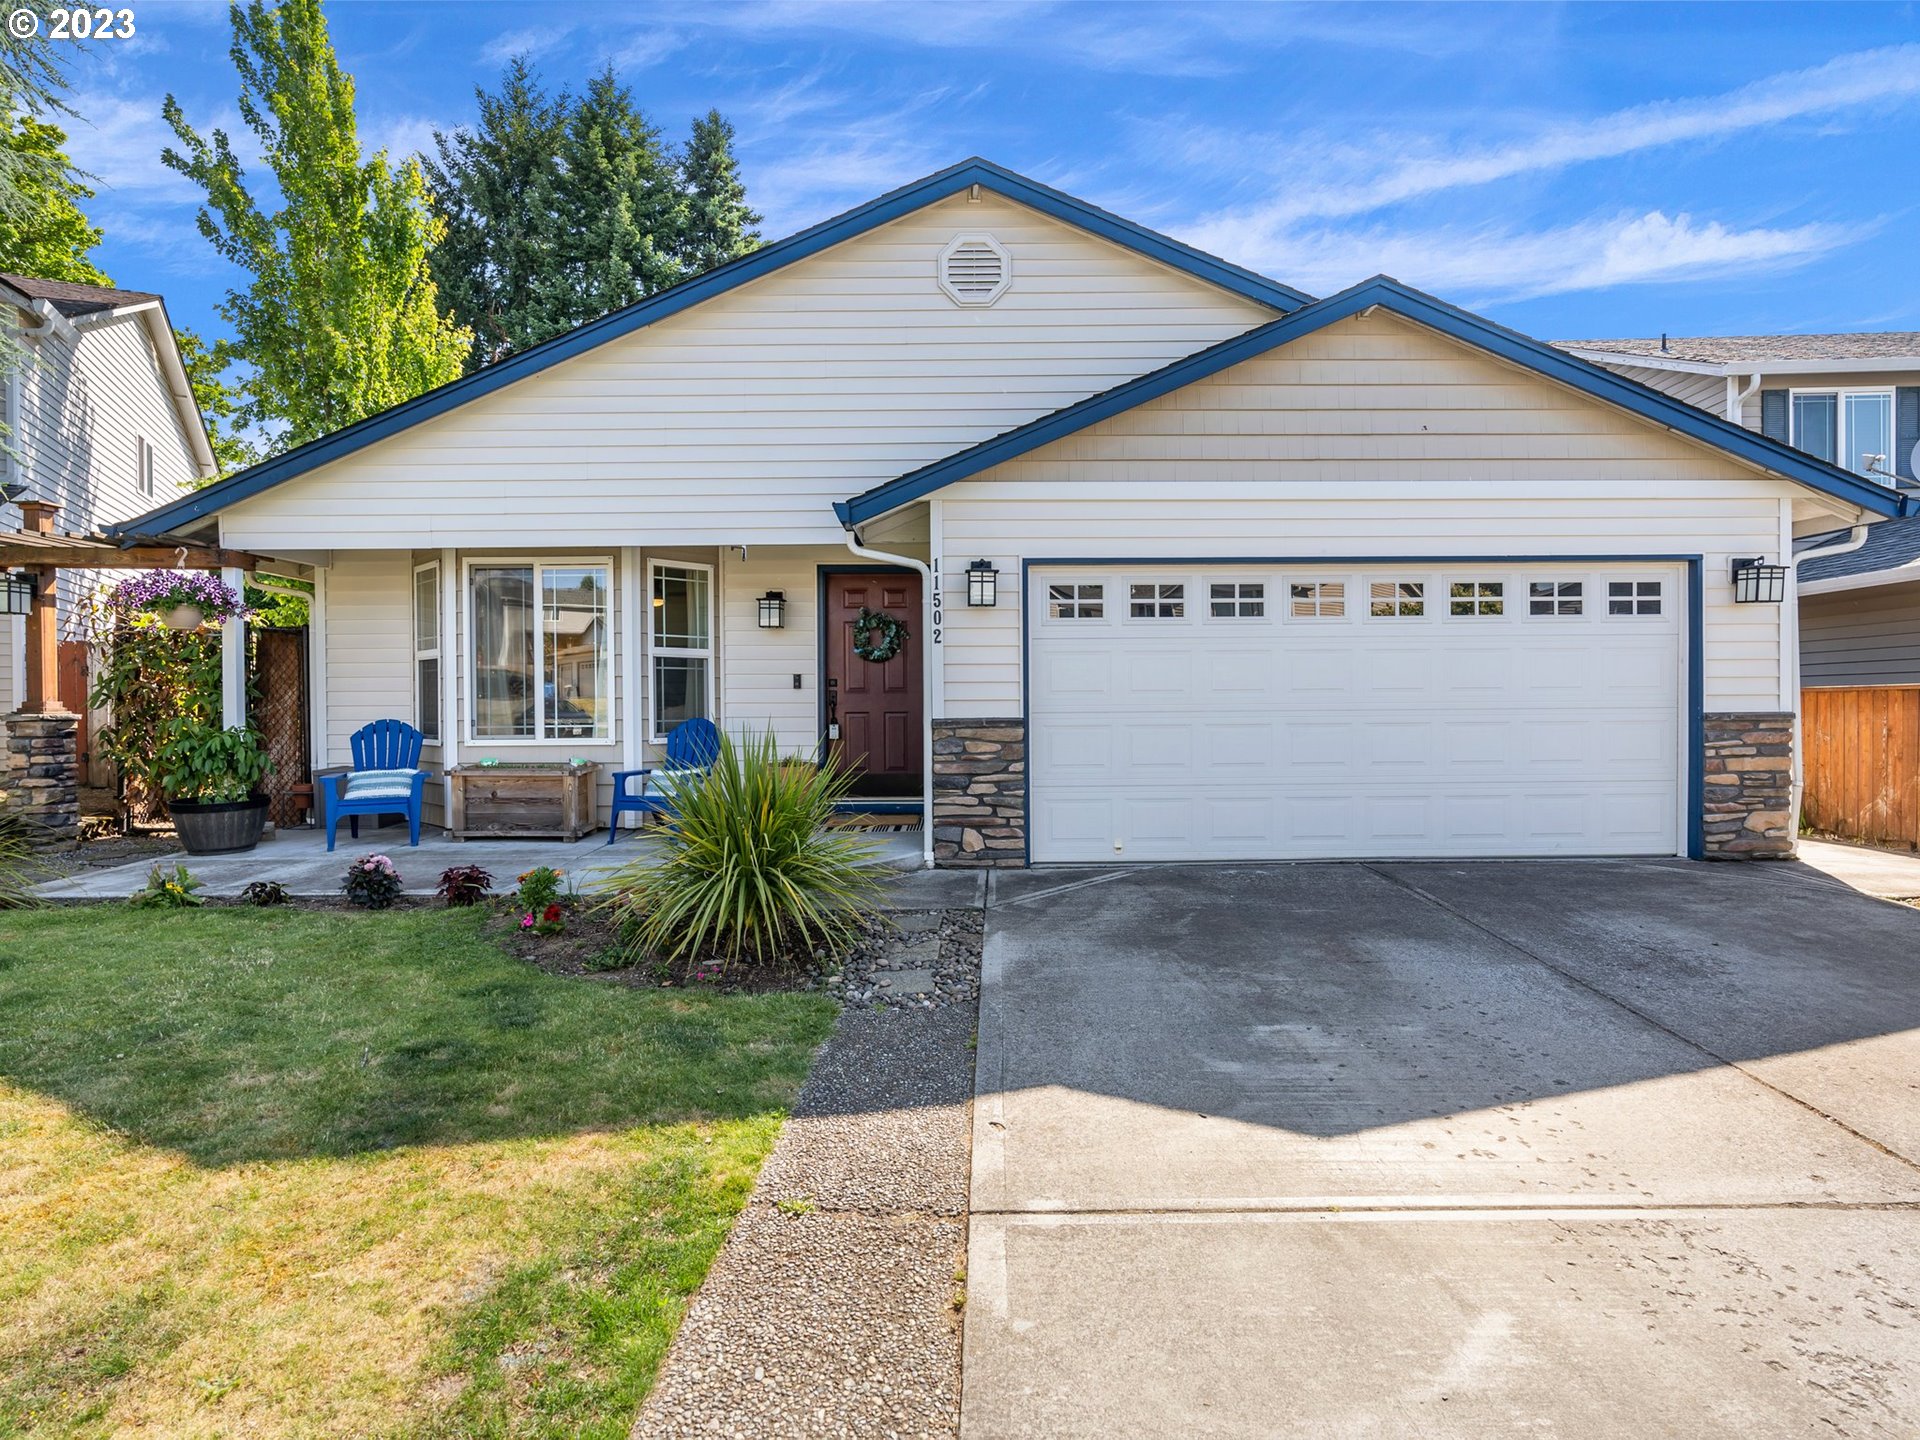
<point>1423,309</point>
<point>764,261</point>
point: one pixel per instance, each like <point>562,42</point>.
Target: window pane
<point>577,644</point>
<point>426,610</point>
<point>680,608</point>
<point>1869,433</point>
<point>679,690</point>
<point>426,694</point>
<point>504,699</point>
<point>1816,425</point>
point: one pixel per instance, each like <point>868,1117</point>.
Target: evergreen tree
<point>719,225</point>
<point>493,188</point>
<point>341,318</point>
<point>42,230</point>
<point>618,191</point>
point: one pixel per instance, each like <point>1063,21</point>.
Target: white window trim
<point>1664,595</point>
<point>143,483</point>
<point>1507,584</point>
<point>1840,394</point>
<point>539,563</point>
<point>13,442</point>
<point>1586,597</point>
<point>1104,601</point>
<point>1185,600</point>
<point>655,736</point>
<point>1266,615</point>
<point>1424,581</point>
<point>433,653</point>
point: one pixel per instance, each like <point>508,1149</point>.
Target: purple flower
<point>164,589</point>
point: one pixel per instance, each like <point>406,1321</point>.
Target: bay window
<point>682,648</point>
<point>1849,428</point>
<point>541,650</point>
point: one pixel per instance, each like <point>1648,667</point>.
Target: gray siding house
<point>1853,400</point>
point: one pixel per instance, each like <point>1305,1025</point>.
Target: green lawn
<point>297,1173</point>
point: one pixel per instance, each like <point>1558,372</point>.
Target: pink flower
<point>526,921</point>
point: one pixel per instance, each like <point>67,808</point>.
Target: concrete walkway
<point>1567,1149</point>
<point>299,860</point>
<point>1889,874</point>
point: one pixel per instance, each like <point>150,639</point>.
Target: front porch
<point>298,859</point>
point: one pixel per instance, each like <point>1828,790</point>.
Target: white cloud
<point>1489,265</point>
<point>1331,179</point>
<point>532,42</point>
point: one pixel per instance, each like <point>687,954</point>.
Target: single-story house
<point>1192,565</point>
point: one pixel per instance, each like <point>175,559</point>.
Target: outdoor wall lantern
<point>983,583</point>
<point>773,610</point>
<point>16,594</point>
<point>1756,583</point>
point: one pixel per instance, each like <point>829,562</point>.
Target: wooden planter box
<point>539,800</point>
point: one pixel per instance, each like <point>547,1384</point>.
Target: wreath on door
<point>877,636</point>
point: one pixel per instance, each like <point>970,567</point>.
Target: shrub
<point>464,885</point>
<point>20,869</point>
<point>539,888</point>
<point>372,882</point>
<point>753,867</point>
<point>201,762</point>
<point>167,892</point>
<point>265,892</point>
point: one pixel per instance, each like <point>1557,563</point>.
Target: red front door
<point>878,707</point>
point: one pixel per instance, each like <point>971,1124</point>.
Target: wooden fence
<point>1861,747</point>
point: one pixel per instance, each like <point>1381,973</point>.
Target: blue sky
<point>1574,171</point>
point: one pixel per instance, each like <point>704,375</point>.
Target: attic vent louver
<point>975,270</point>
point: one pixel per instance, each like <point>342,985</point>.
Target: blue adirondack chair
<point>386,779</point>
<point>691,750</point>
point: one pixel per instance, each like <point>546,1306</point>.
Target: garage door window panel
<point>1237,600</point>
<point>1080,601</point>
<point>1634,597</point>
<point>1397,600</point>
<point>1157,601</point>
<point>1556,598</point>
<point>1470,599</point>
<point>1317,599</point>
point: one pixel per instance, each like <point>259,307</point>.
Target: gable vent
<point>975,270</point>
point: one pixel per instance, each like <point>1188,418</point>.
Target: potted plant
<point>211,779</point>
<point>183,599</point>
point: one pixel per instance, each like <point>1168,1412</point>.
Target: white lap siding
<point>1371,439</point>
<point>741,420</point>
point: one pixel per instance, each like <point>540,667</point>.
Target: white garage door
<point>1195,713</point>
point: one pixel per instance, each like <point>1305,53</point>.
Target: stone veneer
<point>1749,789</point>
<point>979,792</point>
<point>42,774</point>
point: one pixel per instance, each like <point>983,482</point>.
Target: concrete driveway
<point>1560,1149</point>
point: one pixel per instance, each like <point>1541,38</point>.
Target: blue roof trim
<point>1415,305</point>
<point>689,293</point>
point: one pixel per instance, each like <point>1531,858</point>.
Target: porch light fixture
<point>773,610</point>
<point>983,582</point>
<point>16,594</point>
<point>1757,583</point>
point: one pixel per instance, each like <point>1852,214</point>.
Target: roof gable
<point>682,297</point>
<point>1387,294</point>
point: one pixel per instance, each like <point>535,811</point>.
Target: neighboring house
<point>102,422</point>
<point>1854,399</point>
<point>1195,566</point>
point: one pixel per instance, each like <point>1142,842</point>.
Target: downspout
<point>52,322</point>
<point>1737,398</point>
<point>1856,537</point>
<point>926,683</point>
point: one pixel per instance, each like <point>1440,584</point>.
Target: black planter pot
<point>219,829</point>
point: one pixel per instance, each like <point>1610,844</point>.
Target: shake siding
<point>1373,437</point>
<point>1703,392</point>
<point>1709,392</point>
<point>744,419</point>
<point>1861,637</point>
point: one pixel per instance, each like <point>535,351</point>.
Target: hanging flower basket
<point>183,599</point>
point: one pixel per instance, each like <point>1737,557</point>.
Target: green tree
<point>619,189</point>
<point>43,232</point>
<point>341,319</point>
<point>493,188</point>
<point>719,224</point>
<point>218,401</point>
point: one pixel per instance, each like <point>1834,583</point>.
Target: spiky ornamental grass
<point>20,869</point>
<point>754,869</point>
